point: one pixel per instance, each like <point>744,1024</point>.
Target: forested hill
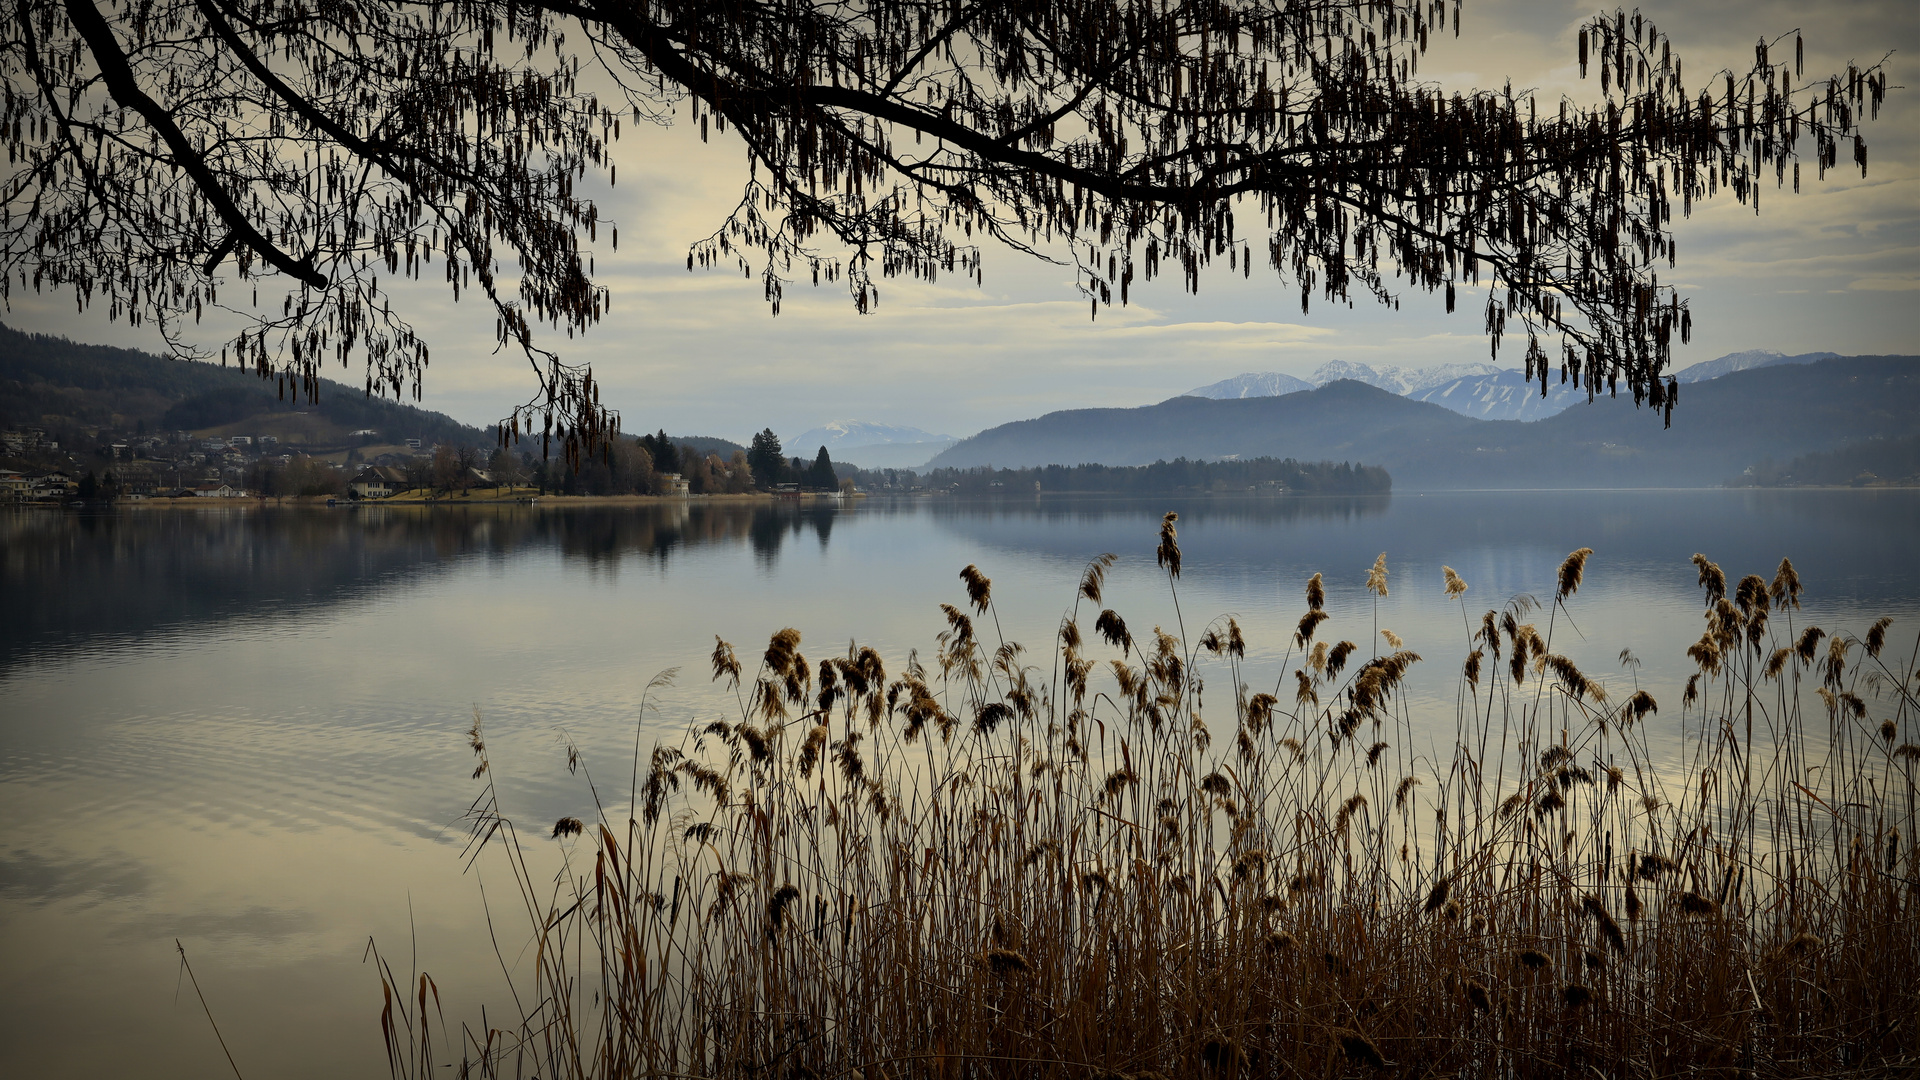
<point>56,384</point>
<point>1720,428</point>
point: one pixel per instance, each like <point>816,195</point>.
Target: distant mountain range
<point>1399,380</point>
<point>1744,361</point>
<point>1502,395</point>
<point>1480,390</point>
<point>1252,384</point>
<point>1720,427</point>
<point>869,445</point>
<point>1394,380</point>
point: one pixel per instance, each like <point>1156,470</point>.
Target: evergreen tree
<point>765,459</point>
<point>666,458</point>
<point>820,477</point>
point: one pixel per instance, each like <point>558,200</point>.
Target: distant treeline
<point>1181,475</point>
<point>629,466</point>
<point>1867,463</point>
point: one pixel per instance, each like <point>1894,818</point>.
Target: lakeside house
<point>378,482</point>
<point>53,485</point>
<point>674,484</point>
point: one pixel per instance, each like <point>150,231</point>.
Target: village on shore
<point>179,465</point>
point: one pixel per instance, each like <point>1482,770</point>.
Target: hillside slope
<point>53,383</point>
<point>59,385</point>
<point>1720,427</point>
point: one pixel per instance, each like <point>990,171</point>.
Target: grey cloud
<point>258,923</point>
<point>36,879</point>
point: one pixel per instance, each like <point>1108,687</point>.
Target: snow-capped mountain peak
<point>1253,384</point>
<point>1744,361</point>
<point>1399,380</point>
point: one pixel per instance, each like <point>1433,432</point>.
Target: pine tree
<point>666,457</point>
<point>820,477</point>
<point>765,459</point>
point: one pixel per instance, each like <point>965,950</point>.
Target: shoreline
<point>532,498</point>
<point>487,497</point>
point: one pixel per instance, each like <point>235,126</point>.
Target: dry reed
<point>983,867</point>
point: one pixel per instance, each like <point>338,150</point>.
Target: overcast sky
<point>1835,268</point>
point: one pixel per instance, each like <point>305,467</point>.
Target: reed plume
<point>1167,555</point>
<point>1572,569</point>
<point>979,589</point>
<point>1711,578</point>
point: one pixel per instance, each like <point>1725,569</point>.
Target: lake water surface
<point>244,728</point>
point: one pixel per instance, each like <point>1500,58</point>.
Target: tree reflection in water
<point>75,579</point>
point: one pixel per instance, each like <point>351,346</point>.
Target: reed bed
<point>994,863</point>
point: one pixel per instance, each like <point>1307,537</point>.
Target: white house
<point>53,485</point>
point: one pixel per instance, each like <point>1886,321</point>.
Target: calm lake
<point>245,728</point>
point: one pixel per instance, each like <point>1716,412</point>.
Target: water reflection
<point>77,579</point>
<point>1854,544</point>
<point>72,580</point>
<point>1056,509</point>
